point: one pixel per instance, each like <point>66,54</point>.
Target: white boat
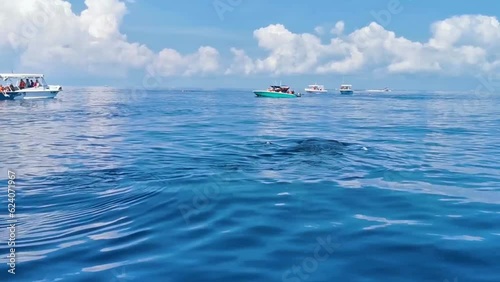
<point>346,89</point>
<point>20,86</point>
<point>315,88</point>
<point>378,90</point>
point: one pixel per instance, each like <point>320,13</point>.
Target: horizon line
<point>249,89</point>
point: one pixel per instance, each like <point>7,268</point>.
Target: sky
<point>400,44</point>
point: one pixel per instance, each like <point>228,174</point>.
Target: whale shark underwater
<point>318,146</point>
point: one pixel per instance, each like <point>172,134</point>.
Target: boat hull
<point>7,96</point>
<point>309,91</point>
<point>36,95</point>
<point>31,94</point>
<point>270,94</point>
<point>346,92</point>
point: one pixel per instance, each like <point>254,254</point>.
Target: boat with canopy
<point>275,91</point>
<point>20,86</point>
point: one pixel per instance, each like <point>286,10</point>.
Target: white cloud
<point>241,63</point>
<point>170,62</point>
<point>48,34</point>
<point>319,30</point>
<point>290,53</point>
<point>338,29</point>
<point>458,45</point>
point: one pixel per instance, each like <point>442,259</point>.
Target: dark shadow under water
<point>314,146</point>
<point>310,148</point>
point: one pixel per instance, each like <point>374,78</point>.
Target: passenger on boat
<point>4,88</point>
<point>37,84</point>
<point>22,84</point>
<point>31,84</point>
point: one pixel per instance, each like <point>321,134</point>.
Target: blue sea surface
<point>118,185</point>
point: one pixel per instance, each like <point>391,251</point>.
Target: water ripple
<point>220,186</point>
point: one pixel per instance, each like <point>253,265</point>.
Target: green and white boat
<point>275,91</point>
<point>346,89</point>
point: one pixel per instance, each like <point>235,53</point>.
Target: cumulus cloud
<point>290,53</point>
<point>319,30</point>
<point>457,45</point>
<point>241,63</point>
<point>47,33</point>
<point>338,29</point>
<point>171,62</point>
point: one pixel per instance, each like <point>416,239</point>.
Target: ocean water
<point>113,185</point>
